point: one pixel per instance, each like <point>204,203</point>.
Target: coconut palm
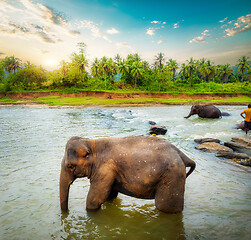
<point>183,71</point>
<point>211,72</point>
<point>11,64</point>
<point>159,58</point>
<point>243,66</point>
<point>137,71</point>
<point>172,65</point>
<point>123,68</point>
<point>104,65</point>
<point>95,67</point>
<point>80,61</point>
<point>191,67</point>
<point>225,71</point>
<point>117,59</point>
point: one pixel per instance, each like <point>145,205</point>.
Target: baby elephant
<point>143,167</point>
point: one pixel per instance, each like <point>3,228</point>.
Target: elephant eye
<point>72,153</point>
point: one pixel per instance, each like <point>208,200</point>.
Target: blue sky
<point>47,31</point>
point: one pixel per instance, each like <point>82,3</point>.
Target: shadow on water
<point>114,221</point>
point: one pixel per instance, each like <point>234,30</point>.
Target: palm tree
<point>11,64</point>
<point>159,58</point>
<point>123,68</point>
<point>137,71</point>
<point>243,66</point>
<point>95,67</point>
<point>104,67</point>
<point>80,61</point>
<point>191,67</point>
<point>204,71</point>
<point>224,72</point>
<point>183,71</point>
<point>117,59</point>
<point>211,72</point>
<point>172,65</point>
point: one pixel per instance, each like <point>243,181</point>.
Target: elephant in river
<point>206,111</point>
<point>144,167</point>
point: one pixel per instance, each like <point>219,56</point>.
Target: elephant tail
<point>188,163</point>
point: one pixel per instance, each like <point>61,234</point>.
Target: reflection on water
<point>32,142</point>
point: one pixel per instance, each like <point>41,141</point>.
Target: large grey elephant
<point>144,167</point>
<point>206,111</point>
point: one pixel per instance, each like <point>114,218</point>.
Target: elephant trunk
<point>189,115</point>
<point>65,181</point>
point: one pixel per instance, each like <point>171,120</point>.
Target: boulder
<point>213,147</point>
<point>152,123</point>
<point>202,140</point>
<point>158,130</point>
<point>242,145</point>
<point>246,162</point>
<point>232,155</point>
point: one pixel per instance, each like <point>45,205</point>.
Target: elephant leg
<point>113,194</point>
<point>100,188</point>
<point>169,197</point>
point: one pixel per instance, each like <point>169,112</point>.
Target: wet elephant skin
<point>205,111</point>
<point>143,167</point>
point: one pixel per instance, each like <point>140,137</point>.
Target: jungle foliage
<point>126,74</point>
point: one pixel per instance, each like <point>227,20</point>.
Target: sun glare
<point>50,63</point>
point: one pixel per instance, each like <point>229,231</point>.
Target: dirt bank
<point>111,95</point>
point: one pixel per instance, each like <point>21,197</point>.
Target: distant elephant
<point>206,111</point>
<point>143,167</point>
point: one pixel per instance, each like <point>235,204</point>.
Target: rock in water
<point>152,123</point>
<point>241,145</point>
<point>232,155</point>
<point>158,130</point>
<point>213,147</point>
<point>202,140</point>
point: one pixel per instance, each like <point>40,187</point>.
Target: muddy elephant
<point>206,111</point>
<point>144,167</point>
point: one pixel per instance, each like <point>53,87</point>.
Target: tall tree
<point>172,65</point>
<point>11,64</point>
<point>117,59</point>
<point>123,68</point>
<point>159,59</point>
<point>225,71</point>
<point>191,67</point>
<point>137,71</point>
<point>243,66</point>
<point>104,67</point>
<point>95,67</point>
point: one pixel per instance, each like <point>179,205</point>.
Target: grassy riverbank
<point>102,101</point>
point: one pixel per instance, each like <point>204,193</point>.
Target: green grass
<point>5,101</point>
<point>90,101</point>
<point>75,101</point>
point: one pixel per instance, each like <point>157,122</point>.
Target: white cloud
<point>112,31</point>
<point>225,19</point>
<point>125,45</point>
<point>156,22</point>
<point>200,39</point>
<point>242,24</point>
<point>38,21</point>
<point>150,32</point>
<point>160,41</point>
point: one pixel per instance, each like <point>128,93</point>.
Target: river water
<point>32,142</point>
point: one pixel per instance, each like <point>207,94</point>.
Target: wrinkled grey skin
<point>143,167</point>
<point>205,111</point>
